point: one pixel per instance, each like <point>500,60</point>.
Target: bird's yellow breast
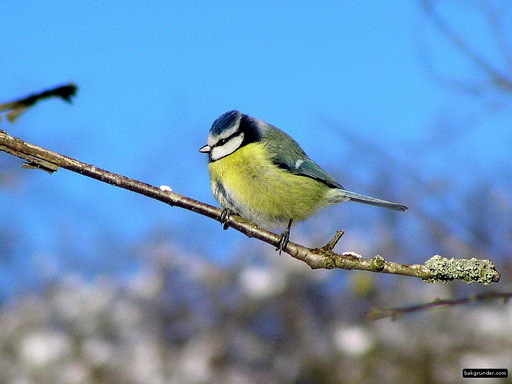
<point>248,183</point>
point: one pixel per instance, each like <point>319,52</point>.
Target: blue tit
<point>260,173</point>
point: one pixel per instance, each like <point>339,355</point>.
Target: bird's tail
<point>344,195</point>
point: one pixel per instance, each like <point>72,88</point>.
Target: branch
<point>381,313</point>
<point>436,269</point>
<point>18,107</point>
<point>495,77</point>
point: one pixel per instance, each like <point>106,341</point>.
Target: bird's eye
<point>221,142</point>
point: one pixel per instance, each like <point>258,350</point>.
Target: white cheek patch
<point>229,147</point>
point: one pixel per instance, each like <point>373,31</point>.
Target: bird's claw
<point>283,241</point>
<point>284,238</point>
<point>224,218</point>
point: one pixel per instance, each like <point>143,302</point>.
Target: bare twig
<point>381,313</point>
<point>18,107</point>
<point>495,18</point>
<point>436,269</point>
<point>494,77</point>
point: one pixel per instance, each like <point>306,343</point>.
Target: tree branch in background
<point>496,19</point>
<point>494,77</point>
<point>381,313</point>
<point>18,107</point>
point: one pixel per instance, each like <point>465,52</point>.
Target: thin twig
<point>496,77</point>
<point>381,313</point>
<point>495,18</point>
<point>20,106</point>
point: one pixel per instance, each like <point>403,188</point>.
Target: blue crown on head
<point>225,121</point>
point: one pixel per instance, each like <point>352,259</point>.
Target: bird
<point>260,173</point>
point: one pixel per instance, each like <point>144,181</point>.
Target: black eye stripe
<point>223,141</point>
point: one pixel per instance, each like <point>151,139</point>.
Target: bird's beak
<point>205,149</point>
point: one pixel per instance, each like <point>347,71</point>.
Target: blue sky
<point>154,76</point>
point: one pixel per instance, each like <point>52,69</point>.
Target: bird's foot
<point>284,238</point>
<point>224,218</point>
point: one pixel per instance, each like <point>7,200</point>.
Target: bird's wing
<point>288,155</point>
